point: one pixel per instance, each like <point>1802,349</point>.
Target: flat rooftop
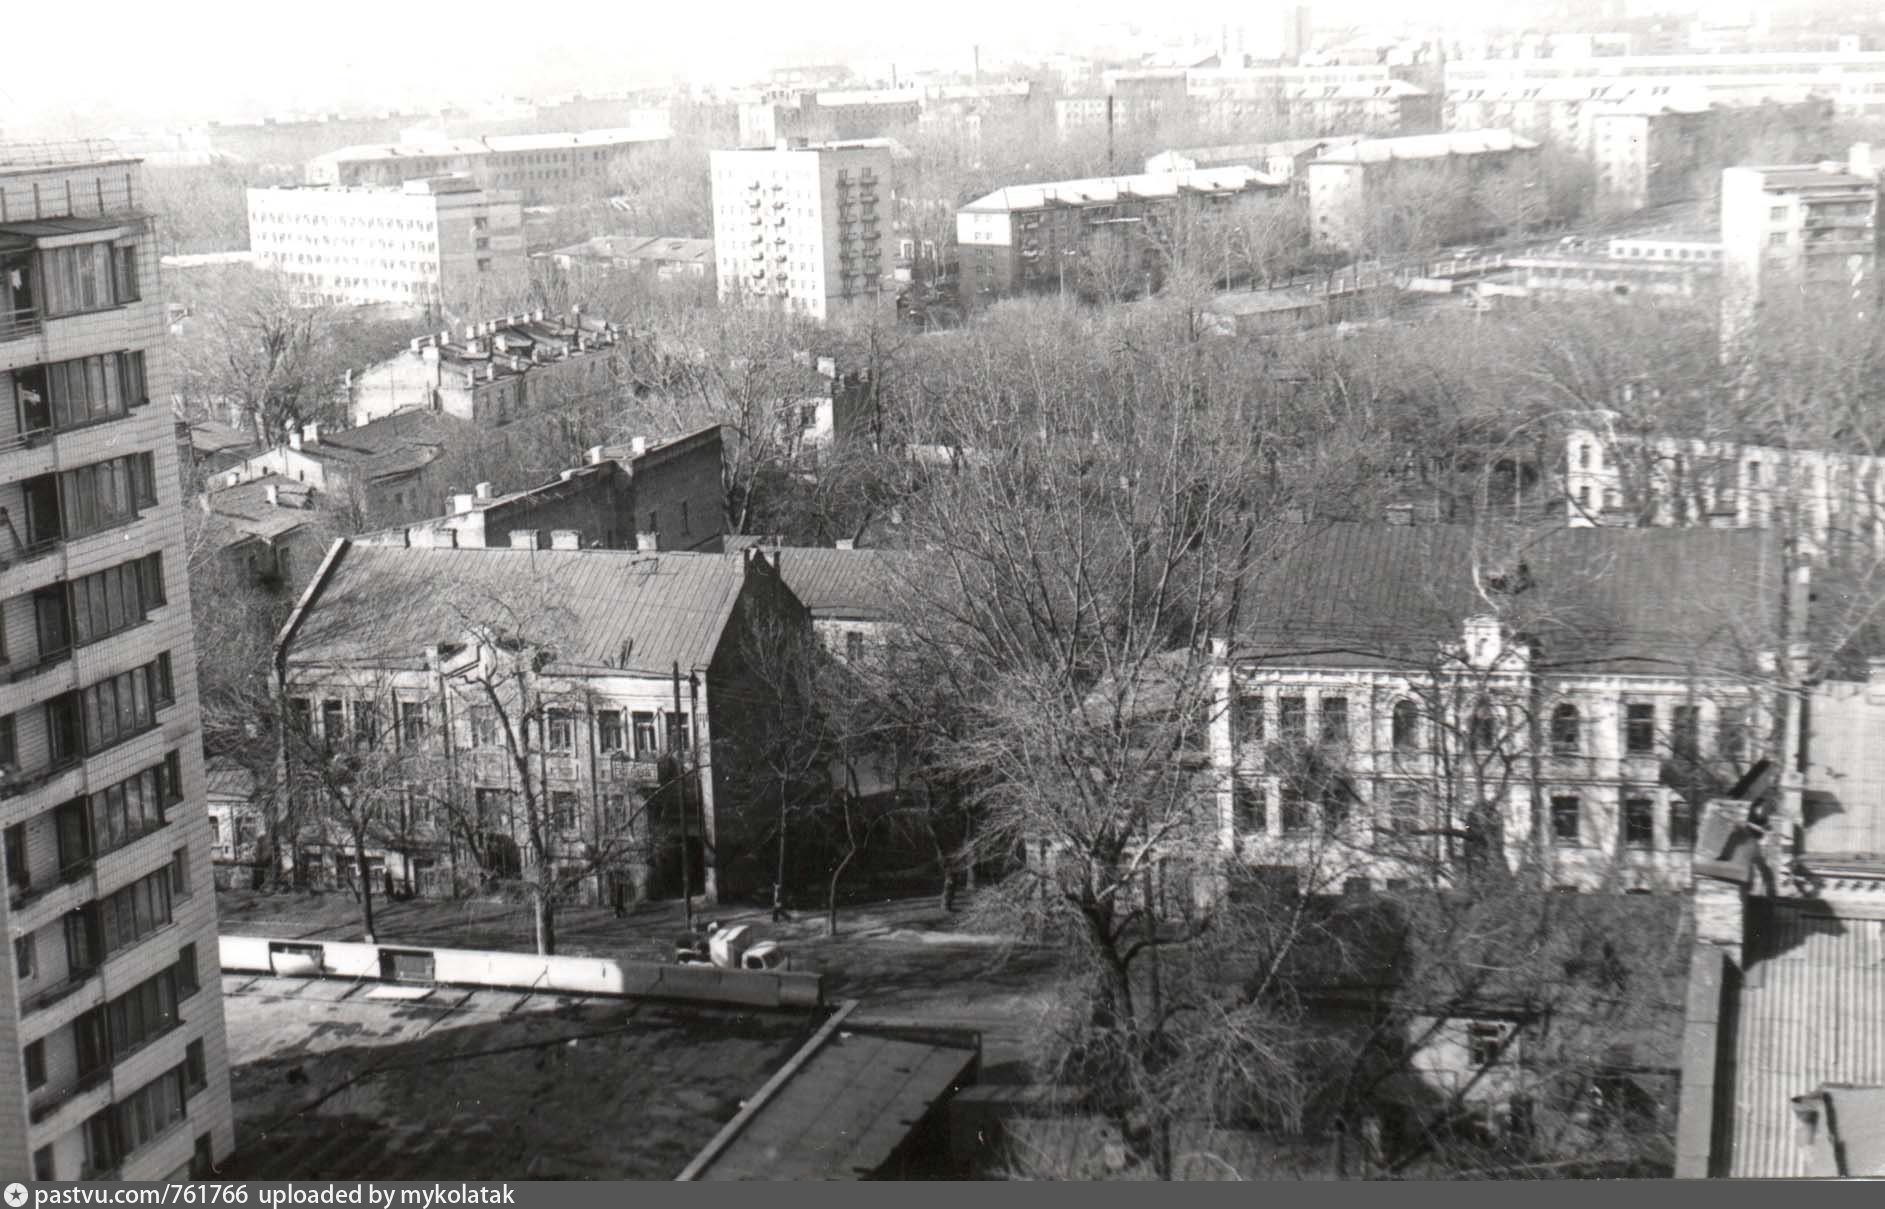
<point>338,1080</point>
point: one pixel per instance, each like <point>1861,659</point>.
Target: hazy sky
<point>220,57</point>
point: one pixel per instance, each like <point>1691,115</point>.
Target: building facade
<point>803,228</point>
<point>1854,82</point>
<point>1348,185</point>
<point>642,714</point>
<point>438,243</point>
<point>1414,694</point>
<point>1036,238</point>
<point>534,165</point>
<point>1648,154</point>
<point>1806,234</point>
<point>651,256</point>
<point>383,468</point>
<point>110,1004</point>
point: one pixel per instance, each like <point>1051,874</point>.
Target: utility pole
<point>675,734</point>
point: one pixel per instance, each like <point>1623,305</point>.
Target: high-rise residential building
<point>110,1008</point>
<point>802,226</point>
<point>440,243</point>
<point>1805,232</point>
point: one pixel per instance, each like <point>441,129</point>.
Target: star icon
<point>16,1195</point>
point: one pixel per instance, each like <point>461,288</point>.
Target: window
<point>677,733</point>
<point>77,279</point>
<point>1777,240</point>
<point>494,808</point>
<point>34,1056</point>
<point>124,273</point>
<point>609,736</point>
<point>1685,729</point>
<point>333,732</point>
<point>366,724</point>
<point>195,1072</point>
<point>123,705</point>
<point>1583,457</point>
<point>1406,726</point>
<point>563,810</point>
<point>484,265</point>
<point>25,959</point>
<point>1295,810</point>
<point>42,1165</point>
<point>412,723</point>
<point>1293,717</point>
<point>188,982</point>
<point>1485,1042</point>
<point>17,876</point>
<point>562,730</point>
<point>1250,720</point>
<point>854,646</point>
<point>1639,823</point>
<point>103,495</point>
<point>1567,827</point>
<point>126,917</point>
<point>1249,807</point>
<point>1335,721</point>
<point>152,1109</point>
<point>483,726</point>
<point>1402,815</point>
<point>644,733</point>
<point>1731,733</point>
<point>1681,826</point>
<point>1639,729</point>
<point>84,390</point>
<point>180,873</point>
<point>1335,800</point>
<point>1483,731</point>
<point>1777,214</point>
<point>1565,739</point>
<point>148,1010</point>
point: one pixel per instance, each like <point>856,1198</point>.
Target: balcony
<point>13,783</point>
<point>14,673</point>
<point>75,981</point>
<point>19,323</point>
<point>92,1080</point>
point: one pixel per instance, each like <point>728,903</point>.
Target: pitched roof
<point>858,584</point>
<point>1428,146</point>
<point>615,609</point>
<point>1652,601</point>
<point>1814,1015</point>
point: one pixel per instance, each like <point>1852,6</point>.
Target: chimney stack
<point>482,491</point>
<point>638,446</point>
<point>1400,514</point>
<point>490,371</point>
<point>311,434</point>
<point>594,456</point>
<point>647,543</point>
<point>273,492</point>
<point>294,439</point>
<point>462,502</point>
<point>845,543</point>
<point>565,539</point>
<point>523,539</point>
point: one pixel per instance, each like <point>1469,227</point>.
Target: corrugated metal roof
<point>1816,1016</point>
<point>839,583</point>
<point>1651,600</point>
<point>600,608</point>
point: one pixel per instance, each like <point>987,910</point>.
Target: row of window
<point>1402,813</point>
<point>1486,729</point>
<point>121,919</point>
<point>89,277</point>
<point>119,1131</point>
<point>93,607</point>
<point>90,499</point>
<point>115,1030</point>
<point>101,822</point>
<point>358,723</point>
<point>69,394</point>
<point>263,219</point>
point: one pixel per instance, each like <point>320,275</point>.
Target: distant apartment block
<point>439,243</point>
<point>1345,184</point>
<point>828,115</point>
<point>651,494</point>
<point>803,227</point>
<point>653,256</point>
<point>1808,232</point>
<point>1032,238</point>
<point>1854,81</point>
<point>110,1004</point>
<point>1650,153</point>
<point>535,165</point>
<point>497,371</point>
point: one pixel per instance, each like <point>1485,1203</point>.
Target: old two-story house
<point>1398,701</point>
<point>385,466</point>
<point>664,493</point>
<point>499,371</point>
<point>635,716</point>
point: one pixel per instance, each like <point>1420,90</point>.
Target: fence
<point>526,971</point>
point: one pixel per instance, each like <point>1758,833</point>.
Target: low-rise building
<point>638,712</point>
<point>1284,160</point>
<point>663,494</point>
<point>501,370</point>
<point>379,467</point>
<point>438,243</point>
<point>267,528</point>
<point>649,255</point>
<point>1652,151</point>
<point>1346,184</point>
<point>1031,238</point>
<point>1413,695</point>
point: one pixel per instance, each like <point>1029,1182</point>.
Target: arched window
<point>1483,732</point>
<point>1406,735</point>
<point>1565,740</point>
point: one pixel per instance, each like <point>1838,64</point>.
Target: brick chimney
<point>524,539</point>
<point>647,542</point>
<point>482,491</point>
<point>565,539</point>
